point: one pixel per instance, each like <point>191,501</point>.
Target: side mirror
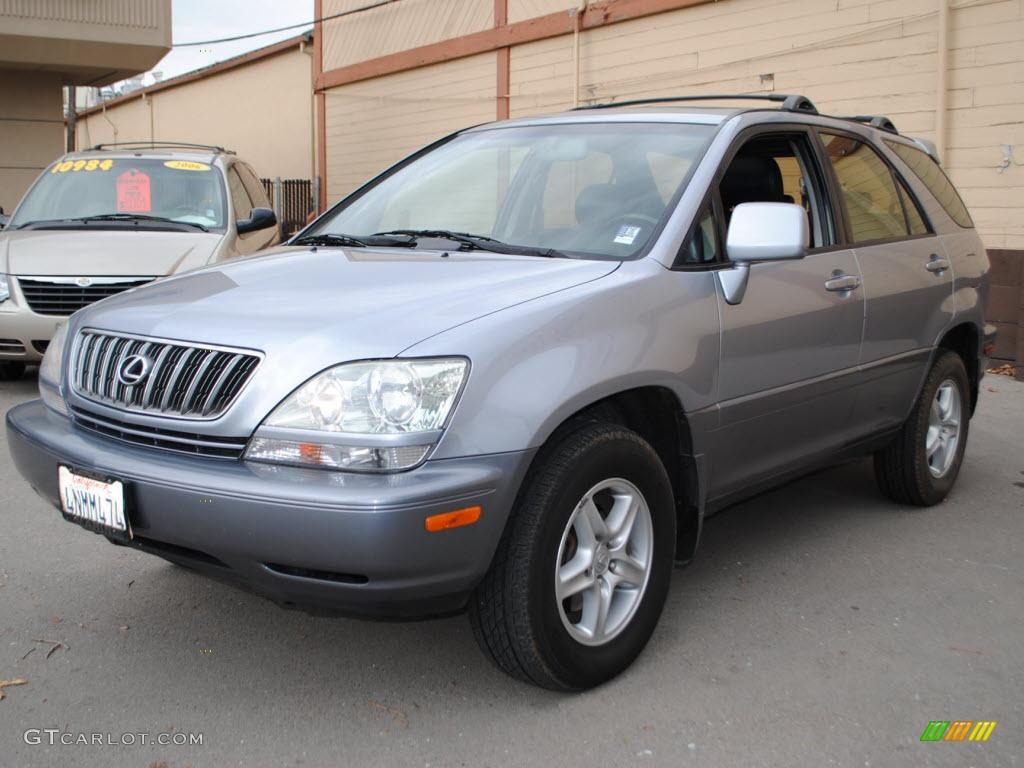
<point>767,232</point>
<point>259,218</point>
<point>761,232</point>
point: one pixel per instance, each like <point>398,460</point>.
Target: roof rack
<point>160,145</point>
<point>881,122</point>
<point>790,102</point>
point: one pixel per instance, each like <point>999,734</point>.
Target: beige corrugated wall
<point>849,56</point>
<point>374,123</point>
<point>262,110</point>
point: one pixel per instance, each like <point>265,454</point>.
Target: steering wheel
<point>634,217</point>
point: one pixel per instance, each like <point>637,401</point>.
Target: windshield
<point>591,190</point>
<point>185,191</point>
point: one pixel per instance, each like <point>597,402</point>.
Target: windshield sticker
<point>82,165</point>
<point>133,192</point>
<point>187,165</point>
<point>627,234</point>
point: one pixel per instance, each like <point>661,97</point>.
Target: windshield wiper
<point>138,217</point>
<point>111,217</point>
<point>469,241</point>
<point>351,241</point>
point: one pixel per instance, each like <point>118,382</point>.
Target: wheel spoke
<point>622,517</point>
<point>596,603</point>
<point>629,571</point>
<point>933,442</point>
<point>574,576</point>
<point>590,526</point>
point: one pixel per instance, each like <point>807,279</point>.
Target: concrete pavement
<point>820,625</point>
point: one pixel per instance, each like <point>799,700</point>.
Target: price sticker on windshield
<point>133,192</point>
<point>83,165</point>
<point>186,165</point>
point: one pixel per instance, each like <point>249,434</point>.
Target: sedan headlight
<point>50,371</point>
<point>382,416</point>
<point>5,288</point>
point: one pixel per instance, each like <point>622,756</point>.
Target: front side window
<point>587,190</point>
<point>779,168</point>
<point>183,191</point>
<point>239,197</point>
<point>873,204</point>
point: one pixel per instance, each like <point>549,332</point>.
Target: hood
<point>96,253</point>
<point>309,309</point>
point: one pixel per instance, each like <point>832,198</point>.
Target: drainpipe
<point>72,114</point>
<point>578,13</point>
<point>942,79</point>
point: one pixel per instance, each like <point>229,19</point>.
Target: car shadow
<point>185,630</point>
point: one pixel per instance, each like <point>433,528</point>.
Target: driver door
<point>790,348</point>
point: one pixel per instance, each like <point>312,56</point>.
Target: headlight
<point>49,371</point>
<point>5,288</point>
<point>364,417</point>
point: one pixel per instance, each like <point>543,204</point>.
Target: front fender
<point>536,364</point>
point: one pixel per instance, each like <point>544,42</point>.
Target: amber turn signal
<point>455,519</point>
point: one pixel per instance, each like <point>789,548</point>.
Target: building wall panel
<point>397,27</point>
<point>374,123</point>
<point>262,110</point>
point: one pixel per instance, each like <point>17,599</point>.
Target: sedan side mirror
<point>762,232</point>
<point>259,218</point>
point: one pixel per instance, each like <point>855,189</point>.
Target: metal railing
<point>293,200</point>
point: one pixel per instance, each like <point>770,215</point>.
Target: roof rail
<point>790,103</point>
<point>160,145</point>
<point>880,122</point>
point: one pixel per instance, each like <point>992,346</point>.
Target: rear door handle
<point>936,264</point>
<point>840,283</point>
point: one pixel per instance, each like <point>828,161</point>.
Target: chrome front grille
<point>183,380</point>
<point>66,295</point>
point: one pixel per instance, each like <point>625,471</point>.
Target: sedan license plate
<point>94,503</point>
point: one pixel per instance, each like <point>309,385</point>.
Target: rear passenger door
<point>908,287</point>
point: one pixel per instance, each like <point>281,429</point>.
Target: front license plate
<point>94,503</point>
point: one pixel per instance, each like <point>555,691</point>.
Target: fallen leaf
<point>966,650</point>
<point>1006,369</point>
<point>55,646</point>
<point>30,650</point>
<point>55,620</point>
<point>396,714</point>
<point>5,683</point>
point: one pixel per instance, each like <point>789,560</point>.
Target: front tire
<point>582,572</point>
<point>921,465</point>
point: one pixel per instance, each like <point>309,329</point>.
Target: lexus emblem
<point>134,369</point>
<point>83,282</point>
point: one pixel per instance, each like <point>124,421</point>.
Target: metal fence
<point>293,201</point>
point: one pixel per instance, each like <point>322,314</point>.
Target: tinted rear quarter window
<point>935,179</point>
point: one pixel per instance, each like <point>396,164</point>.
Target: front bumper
<point>325,542</point>
<point>24,334</point>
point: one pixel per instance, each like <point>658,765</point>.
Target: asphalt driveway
<point>820,625</point>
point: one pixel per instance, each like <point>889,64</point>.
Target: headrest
<point>752,179</point>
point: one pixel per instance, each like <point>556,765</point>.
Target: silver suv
<point>516,371</point>
<point>102,221</point>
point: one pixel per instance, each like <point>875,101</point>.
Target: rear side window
<point>239,198</point>
<point>933,177</point>
<point>873,203</point>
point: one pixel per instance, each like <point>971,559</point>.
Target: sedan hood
<point>96,253</point>
<point>309,309</point>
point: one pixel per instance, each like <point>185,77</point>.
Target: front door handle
<point>936,264</point>
<point>842,283</point>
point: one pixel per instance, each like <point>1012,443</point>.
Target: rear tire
<point>11,370</point>
<point>921,465</point>
<point>582,572</point>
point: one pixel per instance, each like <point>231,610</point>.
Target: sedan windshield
<point>591,190</point>
<point>110,191</point>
